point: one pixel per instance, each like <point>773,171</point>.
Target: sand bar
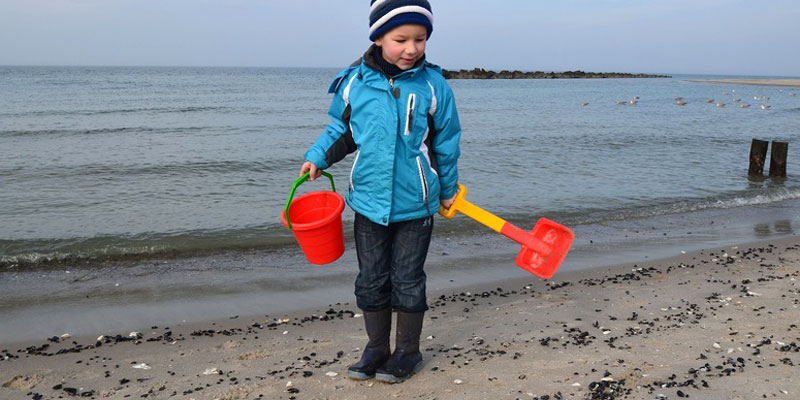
<point>762,82</point>
<point>720,323</point>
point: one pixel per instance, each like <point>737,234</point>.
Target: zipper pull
<point>395,91</point>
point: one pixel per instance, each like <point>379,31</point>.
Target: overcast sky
<point>754,37</point>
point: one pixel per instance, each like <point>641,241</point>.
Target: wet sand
<point>719,323</point>
<point>762,82</point>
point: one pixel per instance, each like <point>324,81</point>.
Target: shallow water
<point>129,162</point>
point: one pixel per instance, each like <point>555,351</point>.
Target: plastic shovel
<point>543,249</point>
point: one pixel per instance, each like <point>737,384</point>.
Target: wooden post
<point>777,159</point>
<point>758,156</point>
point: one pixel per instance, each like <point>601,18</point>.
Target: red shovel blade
<point>544,264</point>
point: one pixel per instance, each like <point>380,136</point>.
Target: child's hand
<point>314,173</point>
<point>446,203</point>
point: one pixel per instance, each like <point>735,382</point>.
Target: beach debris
<point>141,366</point>
<point>211,371</point>
<point>285,332</point>
<point>289,384</point>
<point>332,374</point>
<point>358,315</point>
<point>716,345</point>
<point>458,381</point>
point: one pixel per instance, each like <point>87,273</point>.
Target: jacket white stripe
<point>433,99</point>
<point>424,149</point>
<point>346,94</point>
<point>400,10</point>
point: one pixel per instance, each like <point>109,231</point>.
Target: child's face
<point>404,45</point>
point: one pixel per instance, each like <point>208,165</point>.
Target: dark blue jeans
<point>390,264</point>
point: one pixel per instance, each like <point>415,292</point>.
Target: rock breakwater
<point>480,73</point>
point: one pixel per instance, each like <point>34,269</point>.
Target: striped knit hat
<point>387,14</point>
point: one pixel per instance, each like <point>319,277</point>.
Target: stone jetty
<point>480,73</point>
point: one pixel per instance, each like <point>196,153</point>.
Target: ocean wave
<point>685,205</point>
<point>26,254</point>
<point>183,170</point>
<point>134,110</point>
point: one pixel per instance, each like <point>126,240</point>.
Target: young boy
<point>398,114</point>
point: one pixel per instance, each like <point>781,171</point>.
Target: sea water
<point>113,167</point>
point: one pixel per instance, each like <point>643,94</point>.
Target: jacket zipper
<point>410,112</point>
<point>423,181</point>
<point>352,170</point>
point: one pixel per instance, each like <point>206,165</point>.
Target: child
<point>398,114</point>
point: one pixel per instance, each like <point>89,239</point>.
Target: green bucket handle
<point>297,183</point>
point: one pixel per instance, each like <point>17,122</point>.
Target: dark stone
<point>480,73</point>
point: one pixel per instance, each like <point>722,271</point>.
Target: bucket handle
<point>297,183</point>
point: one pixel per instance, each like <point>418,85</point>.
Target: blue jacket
<point>405,132</point>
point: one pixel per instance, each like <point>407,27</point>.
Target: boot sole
<point>359,376</point>
<point>389,378</point>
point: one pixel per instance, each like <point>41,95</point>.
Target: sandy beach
<point>762,82</point>
<point>720,323</point>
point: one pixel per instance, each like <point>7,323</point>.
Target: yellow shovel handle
<point>471,210</point>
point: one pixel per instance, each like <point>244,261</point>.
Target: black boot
<point>406,359</point>
<point>376,352</point>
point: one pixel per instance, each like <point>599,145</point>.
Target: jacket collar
<point>377,77</point>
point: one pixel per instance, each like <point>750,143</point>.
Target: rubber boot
<point>406,359</point>
<point>376,352</point>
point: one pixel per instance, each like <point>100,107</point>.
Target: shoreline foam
<point>761,82</point>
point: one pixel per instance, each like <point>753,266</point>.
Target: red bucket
<point>316,220</point>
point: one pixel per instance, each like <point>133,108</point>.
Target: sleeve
<point>446,142</point>
<point>337,140</point>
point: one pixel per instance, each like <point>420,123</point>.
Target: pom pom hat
<point>387,14</point>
